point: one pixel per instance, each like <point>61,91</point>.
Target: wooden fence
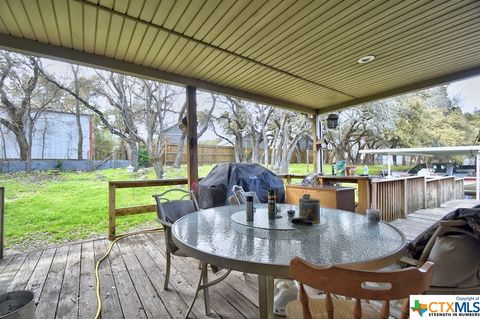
<point>114,211</point>
<point>397,197</point>
<point>215,154</point>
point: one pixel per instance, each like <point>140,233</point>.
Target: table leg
<point>265,297</point>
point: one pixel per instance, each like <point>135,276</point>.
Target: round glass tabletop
<point>222,236</point>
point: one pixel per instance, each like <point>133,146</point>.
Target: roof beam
<point>31,47</point>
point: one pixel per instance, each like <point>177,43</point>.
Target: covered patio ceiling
<point>300,55</point>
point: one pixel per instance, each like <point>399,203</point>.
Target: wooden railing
<point>396,197</point>
<point>459,188</point>
<point>114,211</point>
<point>440,190</point>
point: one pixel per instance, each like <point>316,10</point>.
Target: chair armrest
<point>411,261</point>
<point>455,223</point>
<point>165,223</point>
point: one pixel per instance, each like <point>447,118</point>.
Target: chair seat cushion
<point>457,261</point>
<point>341,309</point>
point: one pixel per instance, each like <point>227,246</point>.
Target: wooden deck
<point>63,277</point>
<point>63,281</point>
<point>420,220</point>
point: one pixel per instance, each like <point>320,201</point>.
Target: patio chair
<point>168,212</point>
<point>358,284</point>
<point>451,242</point>
<point>239,196</point>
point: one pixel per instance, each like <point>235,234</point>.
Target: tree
<point>203,118</point>
<point>288,128</point>
<point>258,117</point>
<point>24,96</point>
<point>233,122</point>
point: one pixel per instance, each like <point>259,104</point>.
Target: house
<point>55,136</point>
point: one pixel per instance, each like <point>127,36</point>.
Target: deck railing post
<point>111,212</point>
<point>405,199</point>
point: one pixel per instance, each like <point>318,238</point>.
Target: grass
<point>43,208</point>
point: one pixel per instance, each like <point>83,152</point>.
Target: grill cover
<point>217,186</point>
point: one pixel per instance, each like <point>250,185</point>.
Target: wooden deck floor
<point>419,221</point>
<point>63,278</point>
<point>63,281</point>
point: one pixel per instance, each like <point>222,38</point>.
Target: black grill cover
<point>217,186</point>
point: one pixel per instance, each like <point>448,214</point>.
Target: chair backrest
<point>169,211</point>
<point>239,195</point>
<point>360,284</point>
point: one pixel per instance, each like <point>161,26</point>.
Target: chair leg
<point>167,271</point>
<point>206,296</point>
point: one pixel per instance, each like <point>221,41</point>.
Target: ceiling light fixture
<point>366,59</point>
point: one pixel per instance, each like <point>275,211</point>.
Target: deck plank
<point>87,302</point>
<point>39,276</point>
<point>219,302</point>
<point>49,298</point>
<point>150,300</point>
<point>4,262</point>
<point>177,281</point>
<point>68,305</point>
<point>131,305</point>
<point>25,272</point>
<point>420,220</point>
<point>110,303</point>
<point>173,302</point>
<point>11,270</point>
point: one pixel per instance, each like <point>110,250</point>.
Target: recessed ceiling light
<point>366,59</point>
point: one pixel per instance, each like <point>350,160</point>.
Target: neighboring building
<point>55,137</point>
<point>173,134</point>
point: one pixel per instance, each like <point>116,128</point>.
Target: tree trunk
<point>44,137</point>
<point>22,144</point>
<point>179,155</point>
<point>265,146</point>
<point>133,153</point>
<point>158,167</point>
<point>29,150</point>
<point>255,149</point>
<point>79,131</point>
<point>4,147</point>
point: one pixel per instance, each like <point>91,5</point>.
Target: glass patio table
<point>221,236</point>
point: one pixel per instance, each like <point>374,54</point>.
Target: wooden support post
<point>192,150</point>
<point>111,212</point>
<point>314,139</point>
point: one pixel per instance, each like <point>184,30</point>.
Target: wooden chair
<point>357,284</point>
<point>169,211</point>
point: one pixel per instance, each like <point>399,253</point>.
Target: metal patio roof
<point>300,55</point>
<point>472,150</point>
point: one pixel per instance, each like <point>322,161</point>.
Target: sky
<point>468,92</point>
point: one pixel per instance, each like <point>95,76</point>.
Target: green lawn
<point>43,208</point>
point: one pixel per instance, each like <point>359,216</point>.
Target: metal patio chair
<point>168,212</point>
